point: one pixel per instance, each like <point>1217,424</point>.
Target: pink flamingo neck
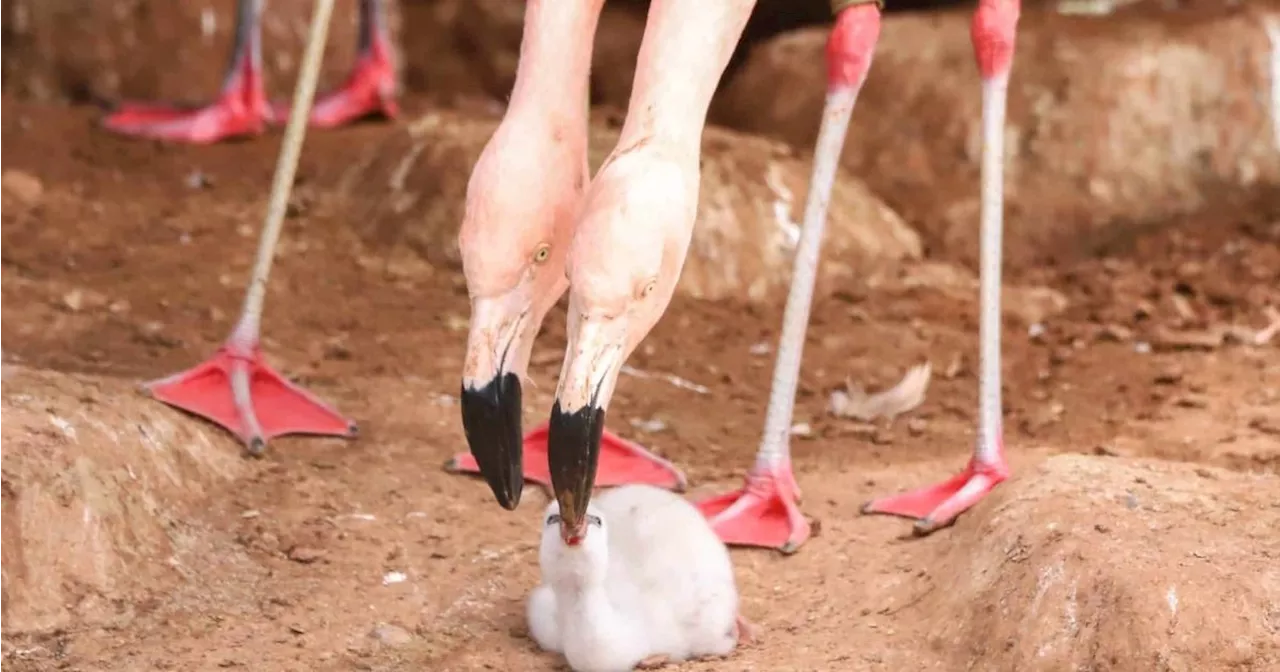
<point>554,72</point>
<point>686,48</point>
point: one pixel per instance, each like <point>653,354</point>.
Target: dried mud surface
<point>1137,533</point>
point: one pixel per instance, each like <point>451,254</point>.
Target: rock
<point>391,635</point>
<point>98,499</point>
<point>22,190</point>
<point>1028,304</point>
<point>1147,113</point>
<point>406,195</point>
<point>305,554</point>
<point>1031,578</point>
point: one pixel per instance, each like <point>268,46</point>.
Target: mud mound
<point>1127,118</point>
<point>98,483</point>
<point>1105,564</point>
<point>407,193</point>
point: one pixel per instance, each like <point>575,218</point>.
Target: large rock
<point>1131,118</point>
<point>407,193</point>
<point>1088,563</point>
<point>99,484</point>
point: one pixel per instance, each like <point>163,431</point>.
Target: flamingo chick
<point>651,581</point>
<point>241,107</point>
<point>635,227</point>
<point>522,202</point>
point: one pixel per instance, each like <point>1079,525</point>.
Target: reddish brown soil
<point>1137,534</point>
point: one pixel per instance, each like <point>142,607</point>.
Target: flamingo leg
<point>765,512</point>
<point>370,89</point>
<point>241,106</point>
<point>936,506</point>
<point>236,389</point>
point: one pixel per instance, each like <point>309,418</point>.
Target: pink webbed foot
<point>622,462</point>
<point>764,513</point>
<point>936,506</point>
<point>238,391</point>
<point>240,110</point>
<point>370,89</point>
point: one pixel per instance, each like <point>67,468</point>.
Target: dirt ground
<point>1142,421</point>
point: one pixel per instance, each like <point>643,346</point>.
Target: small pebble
<point>305,554</point>
<point>650,426</point>
<point>391,635</point>
<point>73,300</point>
<point>21,187</point>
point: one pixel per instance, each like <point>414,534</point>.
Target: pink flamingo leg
<point>370,89</point>
<point>765,512</point>
<point>994,29</point>
<point>236,389</point>
<point>240,109</point>
<point>622,462</point>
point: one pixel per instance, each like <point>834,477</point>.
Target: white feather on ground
<point>905,396</point>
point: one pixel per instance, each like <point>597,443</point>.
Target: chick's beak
<point>497,350</point>
<point>592,362</point>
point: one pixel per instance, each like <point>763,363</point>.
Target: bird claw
<point>763,513</point>
<point>937,506</point>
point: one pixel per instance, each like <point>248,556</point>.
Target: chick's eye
<point>553,519</point>
<point>595,520</point>
<point>542,253</point>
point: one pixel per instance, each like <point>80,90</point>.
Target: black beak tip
<point>573,452</point>
<point>491,420</point>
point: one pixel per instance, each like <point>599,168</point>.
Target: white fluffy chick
<point>649,580</point>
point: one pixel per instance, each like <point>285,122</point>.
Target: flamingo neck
<point>554,72</point>
<point>686,48</point>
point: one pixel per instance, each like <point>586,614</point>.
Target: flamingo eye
<point>542,254</point>
<point>647,288</point>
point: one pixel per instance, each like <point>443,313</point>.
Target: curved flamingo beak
<point>497,348</point>
<point>593,359</point>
